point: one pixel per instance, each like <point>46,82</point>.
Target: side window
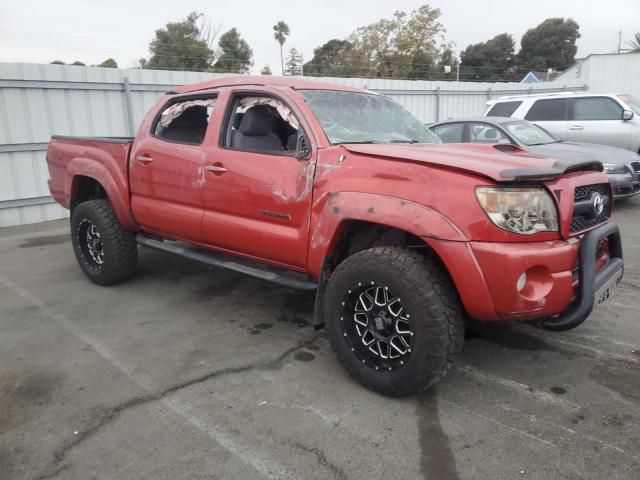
<point>485,133</point>
<point>185,121</point>
<point>552,109</point>
<point>596,108</point>
<point>450,133</point>
<point>262,124</point>
<point>503,109</point>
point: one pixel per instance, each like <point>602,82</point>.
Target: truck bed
<point>102,158</point>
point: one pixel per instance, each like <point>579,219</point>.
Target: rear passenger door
<point>551,114</point>
<point>598,120</point>
<point>166,168</point>
<point>450,132</point>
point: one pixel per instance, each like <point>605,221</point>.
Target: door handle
<point>576,127</point>
<point>144,159</point>
<point>215,169</point>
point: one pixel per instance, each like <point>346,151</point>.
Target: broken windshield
<point>351,117</point>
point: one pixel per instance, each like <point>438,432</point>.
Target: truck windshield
<point>530,134</point>
<point>351,117</point>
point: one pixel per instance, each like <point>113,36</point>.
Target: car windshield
<point>632,102</point>
<point>529,134</point>
<point>351,117</point>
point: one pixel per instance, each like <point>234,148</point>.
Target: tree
<point>635,43</point>
<point>405,46</point>
<point>78,63</point>
<point>294,63</point>
<point>280,32</point>
<point>490,61</point>
<point>331,59</point>
<point>552,44</point>
<point>109,63</point>
<point>235,55</point>
<point>266,70</point>
<point>58,62</point>
<point>184,45</point>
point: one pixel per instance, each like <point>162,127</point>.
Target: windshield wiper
<point>359,142</point>
<point>404,141</point>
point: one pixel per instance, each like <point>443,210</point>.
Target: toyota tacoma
<point>342,191</point>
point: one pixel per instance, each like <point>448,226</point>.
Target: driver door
<point>257,195</point>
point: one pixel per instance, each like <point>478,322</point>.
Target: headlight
<point>520,210</point>
<point>614,168</point>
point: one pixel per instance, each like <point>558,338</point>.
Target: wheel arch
<point>89,180</point>
<point>350,220</point>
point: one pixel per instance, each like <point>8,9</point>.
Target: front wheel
<point>106,252</point>
<point>394,319</point>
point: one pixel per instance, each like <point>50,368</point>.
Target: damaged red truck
<point>341,190</point>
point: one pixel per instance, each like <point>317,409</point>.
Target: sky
<point>93,30</point>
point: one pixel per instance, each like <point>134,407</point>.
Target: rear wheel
<point>107,253</point>
<point>394,319</point>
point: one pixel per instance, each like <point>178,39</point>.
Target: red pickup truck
<point>341,190</point>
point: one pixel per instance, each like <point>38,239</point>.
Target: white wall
<point>37,101</point>
<point>607,73</point>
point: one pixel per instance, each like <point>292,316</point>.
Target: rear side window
<point>450,133</point>
<point>552,109</point>
<point>185,121</point>
<point>596,108</point>
<point>503,109</point>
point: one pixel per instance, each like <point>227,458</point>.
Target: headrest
<point>192,117</point>
<point>256,121</point>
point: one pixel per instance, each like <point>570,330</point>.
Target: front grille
<point>584,215</point>
<point>635,166</point>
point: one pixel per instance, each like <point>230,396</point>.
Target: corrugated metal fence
<point>37,101</point>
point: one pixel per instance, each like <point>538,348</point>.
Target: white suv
<point>602,118</point>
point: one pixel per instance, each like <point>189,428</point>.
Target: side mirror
<point>303,151</point>
<point>627,115</point>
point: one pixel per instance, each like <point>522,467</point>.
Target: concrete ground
<point>190,373</point>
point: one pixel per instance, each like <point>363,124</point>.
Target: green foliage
<point>79,63</point>
<point>552,44</point>
<point>266,70</point>
<point>408,45</point>
<point>334,58</point>
<point>280,32</point>
<point>109,63</point>
<point>635,43</point>
<point>181,45</point>
<point>405,46</point>
<point>58,62</point>
<point>293,66</point>
<point>235,55</point>
<point>490,61</point>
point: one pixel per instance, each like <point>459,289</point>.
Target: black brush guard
<point>590,280</point>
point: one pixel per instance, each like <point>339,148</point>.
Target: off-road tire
<point>437,317</point>
<point>120,251</point>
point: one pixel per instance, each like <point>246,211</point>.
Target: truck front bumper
<point>552,282</point>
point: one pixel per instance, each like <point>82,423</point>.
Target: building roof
<point>534,77</point>
<point>291,82</point>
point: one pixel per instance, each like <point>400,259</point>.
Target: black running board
<point>213,259</point>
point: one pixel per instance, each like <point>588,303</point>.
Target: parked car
<point>335,189</point>
<point>603,118</point>
<point>622,166</point>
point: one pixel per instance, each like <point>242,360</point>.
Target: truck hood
<point>585,151</point>
<point>500,163</point>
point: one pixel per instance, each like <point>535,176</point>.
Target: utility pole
<point>619,41</point>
